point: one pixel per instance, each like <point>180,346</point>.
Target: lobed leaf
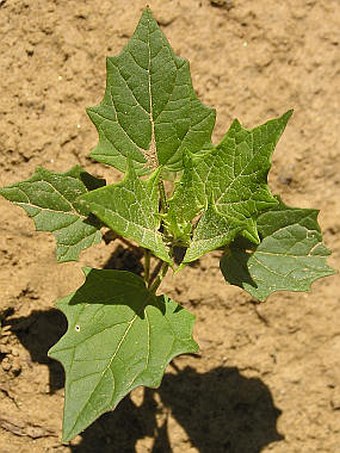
<point>290,257</point>
<point>119,336</point>
<point>131,209</point>
<point>50,199</point>
<point>150,113</point>
<point>234,176</point>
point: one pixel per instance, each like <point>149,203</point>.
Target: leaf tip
<point>147,14</point>
<point>286,116</point>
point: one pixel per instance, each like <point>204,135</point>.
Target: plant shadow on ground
<point>126,259</point>
<point>220,410</point>
<point>38,332</point>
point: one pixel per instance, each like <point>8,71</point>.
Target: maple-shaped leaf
<point>290,257</point>
<point>234,176</point>
<point>119,336</point>
<point>150,112</point>
<point>131,209</point>
<point>50,199</point>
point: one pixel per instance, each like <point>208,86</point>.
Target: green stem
<point>158,280</point>
<point>164,201</point>
<point>147,266</point>
<point>155,272</point>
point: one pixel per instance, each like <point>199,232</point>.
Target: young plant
<point>152,127</point>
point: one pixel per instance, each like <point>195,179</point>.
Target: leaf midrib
<point>151,153</point>
<point>108,366</point>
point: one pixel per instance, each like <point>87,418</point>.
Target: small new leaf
<point>119,336</point>
<point>131,209</point>
<point>150,113</point>
<point>50,199</point>
<point>290,257</point>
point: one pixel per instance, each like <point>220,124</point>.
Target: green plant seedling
<point>152,127</point>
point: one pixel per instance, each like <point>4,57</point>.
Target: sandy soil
<point>268,376</point>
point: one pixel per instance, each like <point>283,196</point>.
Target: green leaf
<point>119,336</point>
<point>290,257</point>
<point>213,231</point>
<point>50,199</point>
<point>234,175</point>
<point>131,209</point>
<point>187,201</point>
<point>150,112</point>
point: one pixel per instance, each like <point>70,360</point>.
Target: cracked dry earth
<point>268,376</point>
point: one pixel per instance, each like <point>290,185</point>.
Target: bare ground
<point>268,376</point>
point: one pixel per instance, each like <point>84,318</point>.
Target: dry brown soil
<point>268,377</point>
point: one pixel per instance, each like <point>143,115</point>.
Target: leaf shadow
<point>234,264</point>
<point>235,269</point>
<point>221,410</point>
<point>38,332</point>
<point>118,288</point>
<point>126,259</point>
